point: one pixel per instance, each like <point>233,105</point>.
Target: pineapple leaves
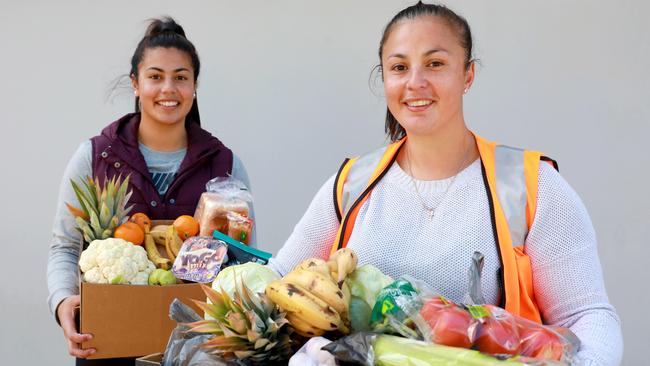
<point>104,215</point>
<point>95,224</point>
<point>246,326</point>
<point>85,199</point>
<point>102,206</point>
<point>204,326</point>
<point>237,322</point>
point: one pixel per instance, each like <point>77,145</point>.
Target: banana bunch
<point>314,294</point>
<point>167,237</point>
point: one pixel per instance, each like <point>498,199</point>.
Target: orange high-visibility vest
<point>510,176</point>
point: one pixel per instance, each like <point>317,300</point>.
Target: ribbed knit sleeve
<point>313,235</point>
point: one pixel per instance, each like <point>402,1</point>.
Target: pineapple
<point>248,327</point>
<point>102,207</point>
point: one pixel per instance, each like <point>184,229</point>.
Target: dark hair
<point>167,33</point>
<point>394,130</point>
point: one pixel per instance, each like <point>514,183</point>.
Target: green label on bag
<point>386,300</point>
<point>478,311</point>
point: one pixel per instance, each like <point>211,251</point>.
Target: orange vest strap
<point>511,180</point>
<point>354,183</point>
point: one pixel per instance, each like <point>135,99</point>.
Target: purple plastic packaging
<point>199,259</point>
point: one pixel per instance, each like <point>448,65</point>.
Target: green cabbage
<point>254,275</point>
<point>366,281</point>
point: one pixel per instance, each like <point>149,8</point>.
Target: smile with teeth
<point>168,103</point>
<point>418,103</point>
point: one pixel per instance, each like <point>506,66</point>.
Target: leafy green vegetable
<point>359,314</point>
<point>366,282</point>
<point>254,275</point>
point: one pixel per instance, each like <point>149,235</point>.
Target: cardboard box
<point>131,320</point>
<point>150,360</point>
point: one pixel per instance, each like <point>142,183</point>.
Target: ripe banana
<point>302,327</point>
<point>159,236</point>
<point>161,228</point>
<point>154,255</point>
<point>346,262</point>
<point>172,240</point>
<point>319,285</point>
<point>345,315</point>
<point>315,265</point>
<point>347,295</point>
<point>295,298</point>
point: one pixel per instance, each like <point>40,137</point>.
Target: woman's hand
<point>65,312</point>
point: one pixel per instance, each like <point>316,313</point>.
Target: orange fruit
<point>131,232</point>
<point>186,226</point>
<point>142,220</point>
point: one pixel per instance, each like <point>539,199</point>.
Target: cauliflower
<point>115,261</point>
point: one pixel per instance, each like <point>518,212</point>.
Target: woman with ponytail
<point>161,147</point>
<point>424,204</point>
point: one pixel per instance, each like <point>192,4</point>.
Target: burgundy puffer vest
<point>116,151</point>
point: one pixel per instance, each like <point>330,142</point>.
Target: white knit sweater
<point>393,233</point>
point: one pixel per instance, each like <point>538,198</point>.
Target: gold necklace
<point>431,211</point>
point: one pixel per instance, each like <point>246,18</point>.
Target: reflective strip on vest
<point>357,179</point>
<point>511,190</point>
<point>510,176</point>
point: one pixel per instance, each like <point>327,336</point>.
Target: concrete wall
<point>286,85</point>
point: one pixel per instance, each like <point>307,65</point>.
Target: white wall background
<point>285,85</point>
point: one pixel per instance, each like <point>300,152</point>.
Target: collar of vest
<point>123,136</point>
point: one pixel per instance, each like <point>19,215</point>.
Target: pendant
<point>430,214</point>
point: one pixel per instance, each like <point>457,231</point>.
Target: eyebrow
<point>161,70</point>
<point>428,53</point>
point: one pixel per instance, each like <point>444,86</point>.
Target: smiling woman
<point>161,147</point>
<point>424,204</point>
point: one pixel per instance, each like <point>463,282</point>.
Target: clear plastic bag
<point>311,354</point>
<point>499,332</point>
<point>411,309</point>
<point>370,349</point>
<point>224,195</point>
<point>183,348</point>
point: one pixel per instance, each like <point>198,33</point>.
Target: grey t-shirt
<point>65,247</point>
<point>162,165</point>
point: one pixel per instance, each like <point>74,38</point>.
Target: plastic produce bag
<point>413,310</point>
<point>183,347</point>
<point>487,328</point>
<point>369,349</point>
<point>311,354</point>
<point>224,195</point>
<point>396,303</point>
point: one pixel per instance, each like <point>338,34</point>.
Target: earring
<point>465,91</point>
<point>135,92</point>
<point>194,95</point>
